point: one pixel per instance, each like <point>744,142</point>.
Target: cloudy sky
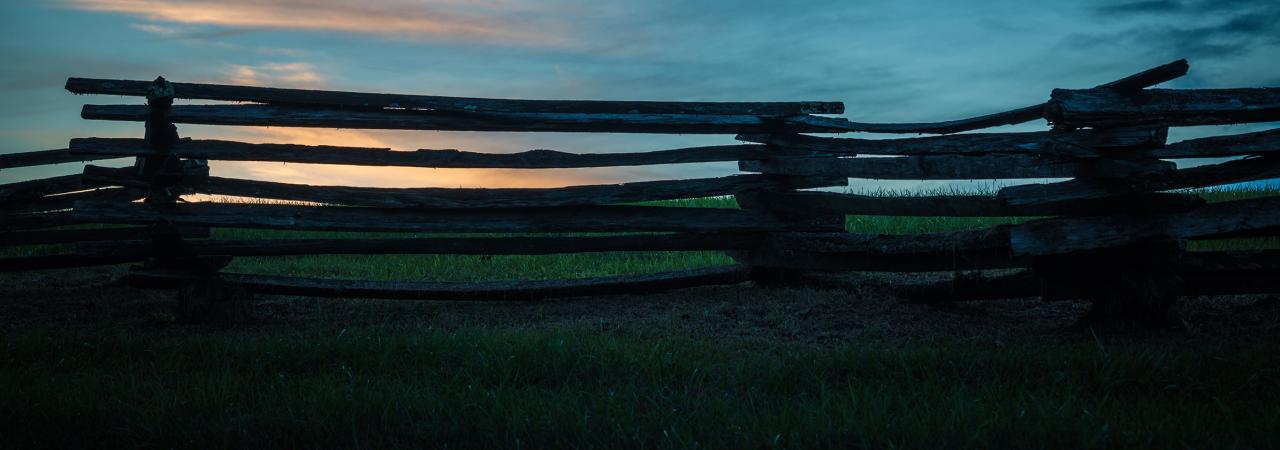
<point>887,60</point>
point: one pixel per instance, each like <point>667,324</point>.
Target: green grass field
<point>564,388</point>
<point>124,380</point>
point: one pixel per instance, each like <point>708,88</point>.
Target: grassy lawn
<point>377,387</point>
<point>127,381</point>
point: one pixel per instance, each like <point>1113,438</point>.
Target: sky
<point>888,61</point>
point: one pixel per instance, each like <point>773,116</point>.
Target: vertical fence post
<point>164,175</point>
<point>161,134</point>
<point>1129,287</point>
<point>798,220</point>
<point>199,300</point>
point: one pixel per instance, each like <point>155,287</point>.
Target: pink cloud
<point>440,20</point>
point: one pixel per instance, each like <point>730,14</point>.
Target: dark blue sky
<point>887,60</point>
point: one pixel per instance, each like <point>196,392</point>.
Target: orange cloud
<point>449,20</point>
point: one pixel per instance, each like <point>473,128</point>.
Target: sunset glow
<point>872,56</point>
<point>397,20</point>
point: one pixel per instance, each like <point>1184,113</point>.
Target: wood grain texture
<point>44,157</point>
<point>1076,234</point>
<point>970,205</point>
<point>67,201</point>
<point>1079,143</point>
<point>295,116</point>
<point>1149,77</point>
<point>1236,171</point>
<point>1101,108</point>
<point>1259,143</point>
<point>1010,117</point>
<point>459,104</point>
<point>937,167</point>
<point>13,194</point>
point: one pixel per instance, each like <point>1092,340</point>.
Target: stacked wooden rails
<point>1108,141</point>
<point>169,253</point>
<point>1105,226</point>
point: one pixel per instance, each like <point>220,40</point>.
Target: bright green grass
<point>565,388</point>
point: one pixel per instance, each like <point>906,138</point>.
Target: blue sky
<point>887,60</point>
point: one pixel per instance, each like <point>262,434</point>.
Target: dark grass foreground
<point>377,387</point>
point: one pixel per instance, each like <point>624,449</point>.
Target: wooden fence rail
<point>295,116</point>
<point>1122,201</point>
<point>45,157</point>
<point>357,156</point>
<point>1078,143</point>
<point>464,198</point>
<point>305,97</point>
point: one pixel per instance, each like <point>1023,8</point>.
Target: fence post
<point>1129,287</point>
<point>798,220</point>
<point>165,174</point>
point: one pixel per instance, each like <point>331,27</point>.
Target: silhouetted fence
<point>1120,219</point>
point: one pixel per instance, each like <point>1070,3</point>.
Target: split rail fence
<point>1123,209</point>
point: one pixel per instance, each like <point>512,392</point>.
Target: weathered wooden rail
<point>1120,217</point>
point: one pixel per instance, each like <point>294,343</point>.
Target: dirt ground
<point>852,309</point>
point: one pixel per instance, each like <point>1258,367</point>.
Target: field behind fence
<point>1115,232</point>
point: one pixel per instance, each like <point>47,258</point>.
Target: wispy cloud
<point>294,75</point>
<point>448,20</point>
<point>159,30</point>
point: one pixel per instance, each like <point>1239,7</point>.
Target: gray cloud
<point>1202,31</point>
